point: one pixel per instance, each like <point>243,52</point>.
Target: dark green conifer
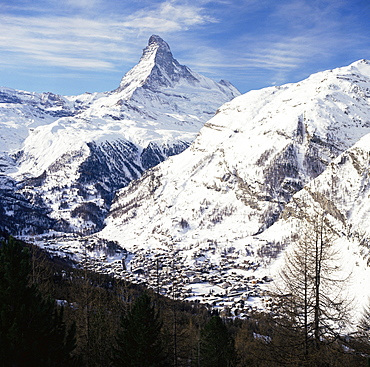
<point>217,347</point>
<point>139,340</point>
<point>32,331</point>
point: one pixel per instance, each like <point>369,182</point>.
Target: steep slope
<point>247,162</point>
<point>64,157</point>
<point>342,194</point>
<point>212,209</point>
<point>210,223</point>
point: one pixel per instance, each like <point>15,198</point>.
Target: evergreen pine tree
<point>216,345</point>
<point>32,331</point>
<point>139,340</point>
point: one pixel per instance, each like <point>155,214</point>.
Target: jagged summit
<point>157,70</point>
<point>158,42</point>
<point>158,52</point>
<point>96,141</point>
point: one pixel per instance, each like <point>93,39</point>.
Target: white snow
<point>213,208</point>
<point>227,185</point>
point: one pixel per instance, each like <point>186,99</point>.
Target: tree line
<point>52,314</point>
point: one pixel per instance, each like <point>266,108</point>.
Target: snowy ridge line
<point>227,194</point>
<point>71,153</point>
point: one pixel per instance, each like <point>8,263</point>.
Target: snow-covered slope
<point>342,195</point>
<point>214,208</point>
<point>64,156</point>
<point>247,162</point>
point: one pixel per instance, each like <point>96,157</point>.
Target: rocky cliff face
<point>248,160</point>
<point>225,206</point>
<point>63,157</point>
<point>339,197</point>
<point>157,69</point>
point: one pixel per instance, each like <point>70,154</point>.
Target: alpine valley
<point>63,158</point>
<point>181,183</point>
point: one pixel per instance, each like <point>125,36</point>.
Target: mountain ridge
<point>219,212</point>
<point>80,149</point>
<point>156,67</point>
<point>218,204</point>
<point>308,139</point>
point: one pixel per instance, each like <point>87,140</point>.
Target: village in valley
<point>235,285</point>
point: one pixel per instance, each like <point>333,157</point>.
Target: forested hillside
<point>54,314</point>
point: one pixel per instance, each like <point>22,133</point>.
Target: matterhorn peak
<point>157,51</point>
<point>156,68</point>
<point>157,41</point>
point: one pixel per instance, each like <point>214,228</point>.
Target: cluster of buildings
<point>230,284</point>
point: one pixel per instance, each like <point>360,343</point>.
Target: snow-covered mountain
<point>215,207</point>
<point>212,221</point>
<point>247,162</point>
<point>63,157</point>
<point>342,195</point>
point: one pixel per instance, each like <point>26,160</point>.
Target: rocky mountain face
<point>212,221</point>
<point>248,160</point>
<point>341,196</point>
<point>224,207</point>
<point>63,157</point>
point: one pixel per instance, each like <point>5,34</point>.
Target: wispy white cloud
<point>82,4</point>
<point>308,14</point>
<point>60,41</point>
<point>169,16</point>
<point>221,38</point>
<point>80,42</point>
<point>296,36</point>
<point>272,53</point>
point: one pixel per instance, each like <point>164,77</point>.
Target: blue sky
<point>73,46</point>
